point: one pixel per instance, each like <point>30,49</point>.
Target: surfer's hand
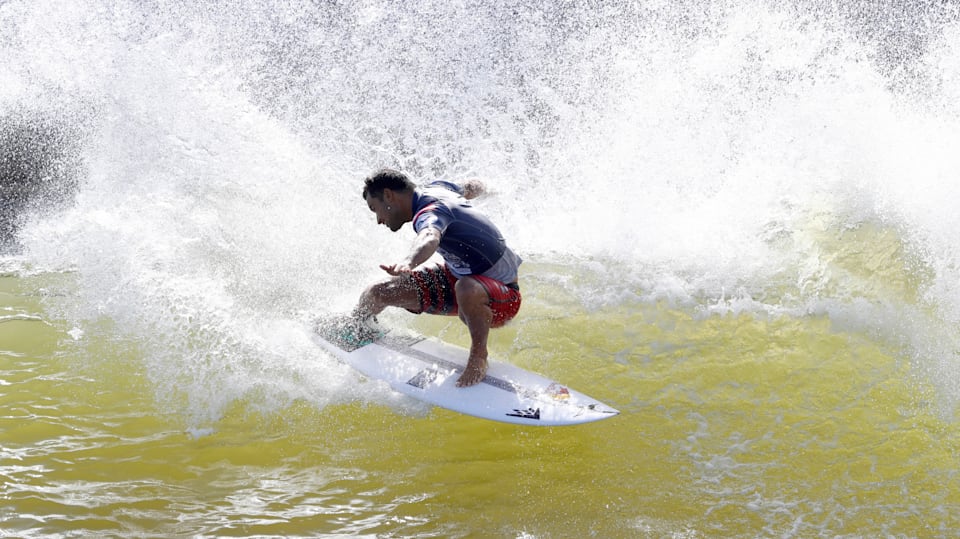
<point>396,269</point>
<point>473,189</point>
<point>474,373</point>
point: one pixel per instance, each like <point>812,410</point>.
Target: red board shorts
<point>435,288</point>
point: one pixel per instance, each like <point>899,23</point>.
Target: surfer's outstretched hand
<point>396,269</point>
<point>474,373</point>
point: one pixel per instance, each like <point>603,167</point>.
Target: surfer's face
<point>386,213</point>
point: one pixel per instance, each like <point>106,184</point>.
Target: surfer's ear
<point>389,197</point>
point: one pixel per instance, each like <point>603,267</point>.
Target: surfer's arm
<point>468,189</point>
<point>426,243</point>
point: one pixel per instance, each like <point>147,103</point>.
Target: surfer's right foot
<point>474,373</point>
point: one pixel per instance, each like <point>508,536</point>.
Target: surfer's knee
<point>394,292</point>
<point>470,291</point>
<point>474,304</point>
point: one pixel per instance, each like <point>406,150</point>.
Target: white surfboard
<point>427,369</point>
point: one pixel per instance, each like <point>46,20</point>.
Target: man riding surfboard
<point>477,279</point>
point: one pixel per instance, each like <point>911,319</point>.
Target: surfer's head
<point>386,178</point>
<point>388,193</point>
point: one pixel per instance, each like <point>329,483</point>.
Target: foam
<point>710,161</point>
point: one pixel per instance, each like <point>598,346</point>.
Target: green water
<point>732,426</point>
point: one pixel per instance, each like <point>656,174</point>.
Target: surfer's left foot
<point>474,373</point>
<point>351,330</point>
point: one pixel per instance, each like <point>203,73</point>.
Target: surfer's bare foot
<point>351,330</point>
<point>474,373</point>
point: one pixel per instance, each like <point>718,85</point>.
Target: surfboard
<point>427,369</point>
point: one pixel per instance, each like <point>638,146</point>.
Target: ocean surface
<point>738,219</point>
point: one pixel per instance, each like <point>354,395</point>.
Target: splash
<point>779,159</point>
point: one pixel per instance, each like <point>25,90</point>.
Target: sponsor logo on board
<point>558,392</point>
<point>529,413</point>
<point>423,378</point>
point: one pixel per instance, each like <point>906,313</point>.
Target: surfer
<point>477,279</point>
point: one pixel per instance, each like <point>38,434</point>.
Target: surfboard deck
<point>428,369</point>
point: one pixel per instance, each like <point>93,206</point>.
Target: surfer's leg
<point>474,307</point>
<point>394,292</point>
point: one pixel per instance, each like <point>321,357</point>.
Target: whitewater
<point>738,221</point>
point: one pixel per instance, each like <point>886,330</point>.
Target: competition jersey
<point>469,242</point>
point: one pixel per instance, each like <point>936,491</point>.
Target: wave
<point>777,159</point>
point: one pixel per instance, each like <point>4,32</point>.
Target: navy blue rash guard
<point>469,242</point>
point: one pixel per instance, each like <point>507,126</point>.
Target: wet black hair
<point>386,178</point>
